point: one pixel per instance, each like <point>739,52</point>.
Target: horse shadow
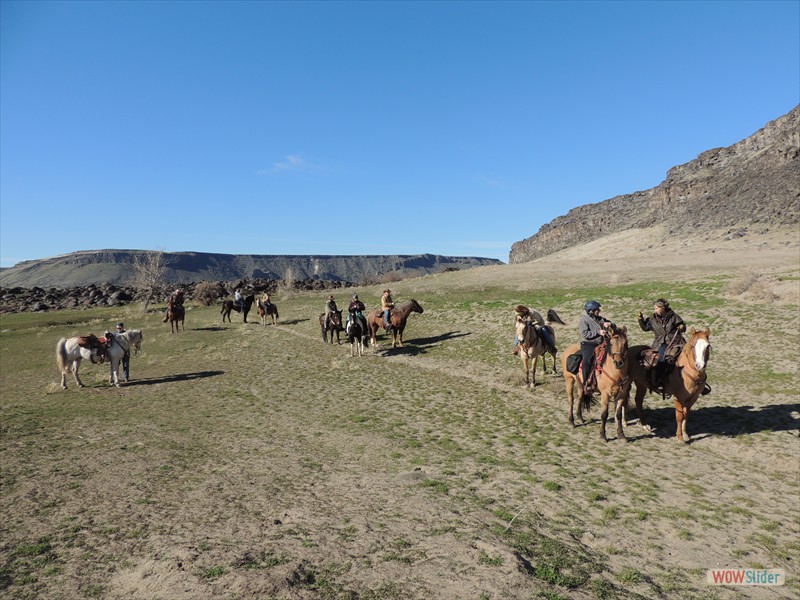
<point>174,378</point>
<point>421,345</point>
<point>215,328</point>
<point>727,421</point>
<point>293,321</point>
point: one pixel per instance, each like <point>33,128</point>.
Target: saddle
<point>92,342</point>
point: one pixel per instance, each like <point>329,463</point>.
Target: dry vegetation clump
<point>752,284</point>
<point>208,292</point>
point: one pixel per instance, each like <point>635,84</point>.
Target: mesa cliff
<point>753,182</point>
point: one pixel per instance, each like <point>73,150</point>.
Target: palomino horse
<point>334,325</point>
<point>175,315</point>
<point>229,305</point>
<point>267,309</point>
<point>612,377</point>
<point>686,382</point>
<point>118,345</point>
<point>532,345</point>
<point>397,318</point>
<point>70,352</point>
<point>357,335</point>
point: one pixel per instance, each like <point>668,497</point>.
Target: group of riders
<point>665,324</point>
<point>356,311</point>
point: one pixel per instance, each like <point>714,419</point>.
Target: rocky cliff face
<point>755,181</point>
<point>115,266</point>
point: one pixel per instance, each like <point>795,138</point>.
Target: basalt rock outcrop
<point>755,181</point>
<point>37,299</point>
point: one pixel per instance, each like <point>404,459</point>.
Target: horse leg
<point>679,419</point>
<point>619,416</point>
<point>570,398</point>
<point>604,399</point>
<point>641,390</point>
<point>533,371</point>
<point>75,366</point>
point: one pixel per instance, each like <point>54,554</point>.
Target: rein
<point>689,367</point>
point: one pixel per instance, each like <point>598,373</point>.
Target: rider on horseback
<point>523,313</point>
<point>265,299</point>
<point>237,298</point>
<point>386,306</point>
<point>330,307</point>
<point>667,327</point>
<point>176,299</point>
<point>593,328</point>
<point>356,310</point>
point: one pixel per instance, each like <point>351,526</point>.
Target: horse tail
<point>588,401</point>
<point>552,317</point>
<point>61,354</point>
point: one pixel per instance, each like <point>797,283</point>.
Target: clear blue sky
<point>454,128</point>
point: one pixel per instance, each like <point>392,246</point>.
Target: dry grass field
<point>245,461</point>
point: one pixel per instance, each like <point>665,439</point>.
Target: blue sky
<point>454,128</point>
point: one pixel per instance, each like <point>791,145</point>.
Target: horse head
<point>336,318</point>
<point>701,346</point>
<point>415,307</point>
<point>136,338</point>
<point>618,345</point>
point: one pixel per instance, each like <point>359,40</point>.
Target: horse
<point>532,345</point>
<point>334,325</point>
<point>397,318</point>
<point>118,345</point>
<point>357,335</point>
<point>229,305</point>
<point>175,315</point>
<point>685,383</point>
<point>267,309</point>
<point>612,377</point>
<point>70,352</point>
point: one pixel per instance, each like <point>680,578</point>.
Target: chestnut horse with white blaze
<point>685,383</point>
<point>398,318</point>
<point>612,377</point>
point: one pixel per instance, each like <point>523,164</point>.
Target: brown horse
<point>398,318</point>
<point>267,309</point>
<point>686,382</point>
<point>612,377</point>
<point>229,305</point>
<point>334,325</point>
<point>532,345</point>
<point>175,315</point>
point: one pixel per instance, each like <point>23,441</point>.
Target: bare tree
<point>149,269</point>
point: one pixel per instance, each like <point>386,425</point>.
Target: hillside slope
<point>115,266</point>
<point>755,181</point>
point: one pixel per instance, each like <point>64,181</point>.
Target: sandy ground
<point>254,462</point>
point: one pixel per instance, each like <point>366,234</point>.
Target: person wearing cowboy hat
<point>356,310</point>
<point>330,307</point>
<point>386,306</point>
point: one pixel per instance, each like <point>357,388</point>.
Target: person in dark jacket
<point>356,310</point>
<point>667,328</point>
<point>593,328</point>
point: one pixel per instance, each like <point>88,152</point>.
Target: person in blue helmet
<point>593,328</point>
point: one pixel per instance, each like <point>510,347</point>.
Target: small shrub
<point>206,292</point>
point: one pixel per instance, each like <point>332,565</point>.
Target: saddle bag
<point>574,363</point>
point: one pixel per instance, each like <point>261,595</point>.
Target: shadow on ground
<point>729,421</point>
<point>419,345</point>
<point>174,378</point>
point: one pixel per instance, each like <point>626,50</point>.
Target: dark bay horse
<point>229,305</point>
<point>267,309</point>
<point>685,383</point>
<point>334,326</point>
<point>397,318</point>
<point>612,377</point>
<point>175,315</point>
